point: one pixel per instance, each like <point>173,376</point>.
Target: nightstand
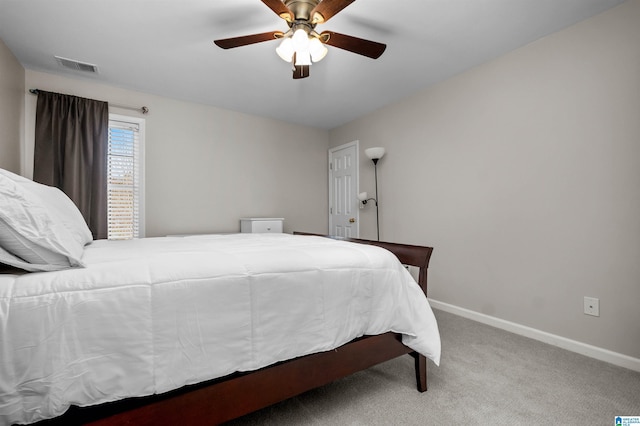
<point>257,225</point>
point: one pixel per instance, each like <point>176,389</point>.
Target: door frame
<point>331,151</point>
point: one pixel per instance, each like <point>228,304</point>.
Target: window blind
<point>123,180</point>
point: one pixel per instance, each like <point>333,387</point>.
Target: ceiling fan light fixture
<point>301,44</point>
<point>285,50</point>
<point>317,49</point>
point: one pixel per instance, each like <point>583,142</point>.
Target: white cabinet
<point>257,225</point>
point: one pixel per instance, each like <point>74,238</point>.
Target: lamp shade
<point>300,40</point>
<point>362,196</point>
<point>317,50</point>
<point>285,50</point>
<point>302,58</point>
<point>374,153</point>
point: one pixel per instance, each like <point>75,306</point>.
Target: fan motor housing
<point>301,8</point>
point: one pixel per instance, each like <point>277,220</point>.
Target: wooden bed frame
<point>233,396</point>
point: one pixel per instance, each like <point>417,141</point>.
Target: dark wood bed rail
<point>220,400</point>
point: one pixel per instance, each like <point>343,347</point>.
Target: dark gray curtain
<point>71,143</point>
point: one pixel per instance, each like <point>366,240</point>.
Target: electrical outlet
<point>592,306</point>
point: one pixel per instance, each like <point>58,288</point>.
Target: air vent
<point>76,65</point>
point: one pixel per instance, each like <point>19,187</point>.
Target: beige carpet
<point>487,377</point>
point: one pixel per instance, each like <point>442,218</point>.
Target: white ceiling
<point>165,47</point>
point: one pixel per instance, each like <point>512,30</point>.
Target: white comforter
<point>147,316</point>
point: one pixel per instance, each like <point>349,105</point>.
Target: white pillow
<point>13,242</point>
<point>65,209</point>
<point>33,227</point>
<point>9,259</point>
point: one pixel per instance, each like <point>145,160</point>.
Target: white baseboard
<point>542,336</point>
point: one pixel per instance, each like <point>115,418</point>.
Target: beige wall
<point>11,109</point>
<point>524,174</point>
<point>206,167</point>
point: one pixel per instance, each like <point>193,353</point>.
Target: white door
<point>343,190</point>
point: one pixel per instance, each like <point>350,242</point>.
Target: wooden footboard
<point>221,400</point>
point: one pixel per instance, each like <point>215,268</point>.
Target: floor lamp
<point>374,154</point>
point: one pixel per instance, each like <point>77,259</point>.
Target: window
<point>125,194</point>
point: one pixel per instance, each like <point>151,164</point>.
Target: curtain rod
<point>142,109</point>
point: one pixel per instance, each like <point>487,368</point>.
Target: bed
<point>201,329</point>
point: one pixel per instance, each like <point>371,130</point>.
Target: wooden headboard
<point>407,254</point>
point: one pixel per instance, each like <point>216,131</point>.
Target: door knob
<point>352,220</point>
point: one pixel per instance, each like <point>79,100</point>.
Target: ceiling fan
<point>301,45</point>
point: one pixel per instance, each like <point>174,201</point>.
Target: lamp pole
<point>374,155</point>
<point>375,171</point>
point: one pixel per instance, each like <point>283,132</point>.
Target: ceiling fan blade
<point>229,43</point>
<point>357,45</point>
<point>326,9</point>
<point>280,9</point>
<point>300,71</point>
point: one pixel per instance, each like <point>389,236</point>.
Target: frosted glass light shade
<point>374,153</point>
<point>285,50</point>
<point>300,40</point>
<point>317,50</point>
<point>362,196</point>
<point>303,58</point>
